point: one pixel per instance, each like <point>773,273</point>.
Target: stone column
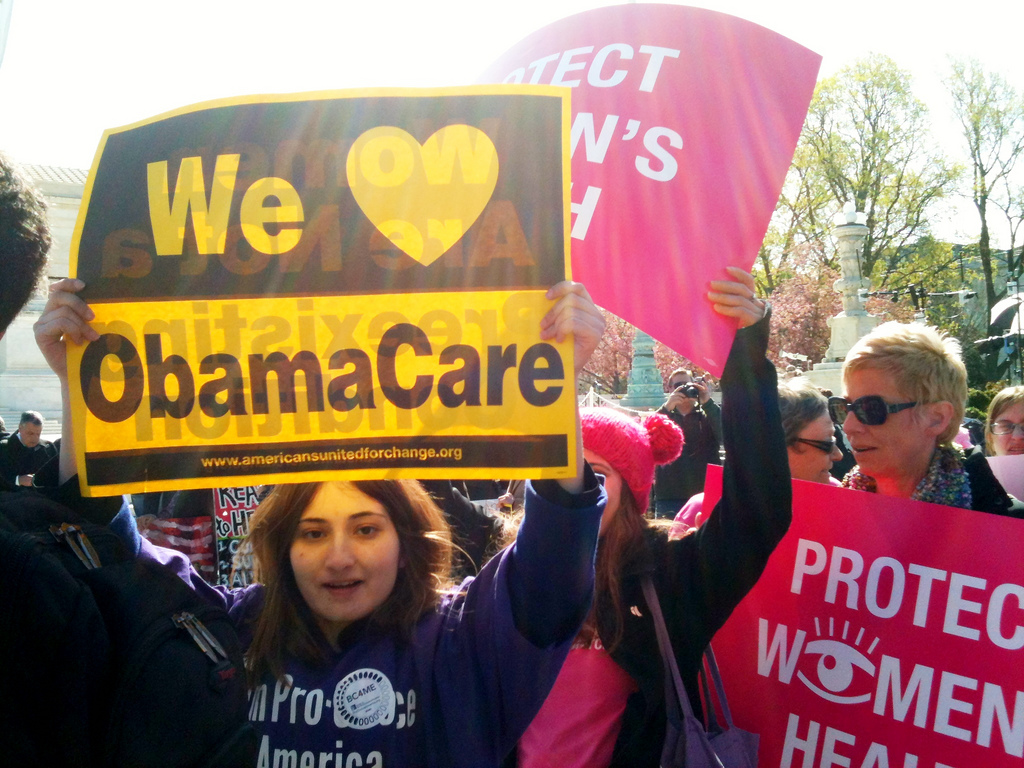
<point>854,321</point>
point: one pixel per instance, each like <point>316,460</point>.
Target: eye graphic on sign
<point>835,670</point>
<point>837,667</point>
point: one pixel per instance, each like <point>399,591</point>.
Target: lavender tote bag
<point>687,743</point>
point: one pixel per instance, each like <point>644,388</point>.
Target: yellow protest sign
<point>329,285</point>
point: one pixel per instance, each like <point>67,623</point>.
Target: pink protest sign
<point>884,632</point>
<point>684,124</point>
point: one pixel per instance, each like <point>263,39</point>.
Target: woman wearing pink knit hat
<point>607,707</point>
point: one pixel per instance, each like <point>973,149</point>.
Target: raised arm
<point>754,511</point>
<point>574,313</point>
<point>65,318</point>
<point>520,615</point>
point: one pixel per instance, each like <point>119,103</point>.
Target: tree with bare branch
<point>991,116</point>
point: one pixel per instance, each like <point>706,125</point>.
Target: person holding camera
<point>690,406</point>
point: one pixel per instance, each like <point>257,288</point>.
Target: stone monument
<point>645,388</point>
<point>854,321</point>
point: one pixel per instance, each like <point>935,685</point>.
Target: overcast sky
<point>73,68</point>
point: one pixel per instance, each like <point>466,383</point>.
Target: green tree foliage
<point>801,221</point>
<point>938,271</point>
<point>980,398</point>
<point>865,139</point>
<point>868,138</point>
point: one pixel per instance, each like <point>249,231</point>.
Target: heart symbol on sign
<point>423,198</point>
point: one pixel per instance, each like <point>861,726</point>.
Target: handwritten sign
<point>344,284</point>
<point>232,508</point>
<point>684,124</point>
<point>884,633</point>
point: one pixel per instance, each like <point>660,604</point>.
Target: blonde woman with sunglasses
<point>905,390</point>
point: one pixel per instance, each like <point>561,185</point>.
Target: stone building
<point>26,383</point>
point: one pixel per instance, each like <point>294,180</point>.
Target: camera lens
<point>691,391</point>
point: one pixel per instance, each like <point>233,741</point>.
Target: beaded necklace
<point>945,482</point>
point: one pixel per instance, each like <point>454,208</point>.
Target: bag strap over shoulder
<point>688,742</point>
<point>675,692</point>
<point>674,689</point>
<point>716,677</point>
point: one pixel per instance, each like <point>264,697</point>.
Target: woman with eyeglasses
<point>810,434</point>
<point>906,387</point>
<point>1004,427</point>
<point>810,445</point>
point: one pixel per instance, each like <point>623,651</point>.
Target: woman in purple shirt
<point>358,652</point>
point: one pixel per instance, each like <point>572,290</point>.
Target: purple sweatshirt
<point>467,686</point>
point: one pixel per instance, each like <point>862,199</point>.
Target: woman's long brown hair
<point>285,626</point>
<point>620,542</point>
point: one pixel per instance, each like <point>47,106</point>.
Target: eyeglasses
<point>1006,428</point>
<point>870,410</point>
<point>826,446</point>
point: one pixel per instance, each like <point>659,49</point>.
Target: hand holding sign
<point>737,298</point>
<point>575,313</point>
<point>65,316</point>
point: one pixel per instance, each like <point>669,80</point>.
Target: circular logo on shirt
<point>364,699</point>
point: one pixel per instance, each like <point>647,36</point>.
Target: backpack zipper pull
<point>188,622</point>
<point>223,671</point>
<point>85,545</point>
<point>210,639</point>
<point>75,538</point>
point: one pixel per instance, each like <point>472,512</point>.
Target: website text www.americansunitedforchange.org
<point>312,457</point>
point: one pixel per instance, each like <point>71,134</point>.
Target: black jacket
<point>16,460</point>
<point>702,429</point>
<point>702,577</point>
<point>987,495</point>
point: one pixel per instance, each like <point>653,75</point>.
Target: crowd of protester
<point>543,652</point>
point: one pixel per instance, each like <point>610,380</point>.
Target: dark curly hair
<point>24,240</point>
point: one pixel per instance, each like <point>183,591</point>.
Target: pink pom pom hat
<point>633,447</point>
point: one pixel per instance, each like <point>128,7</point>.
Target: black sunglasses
<point>870,410</point>
<point>826,446</point>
